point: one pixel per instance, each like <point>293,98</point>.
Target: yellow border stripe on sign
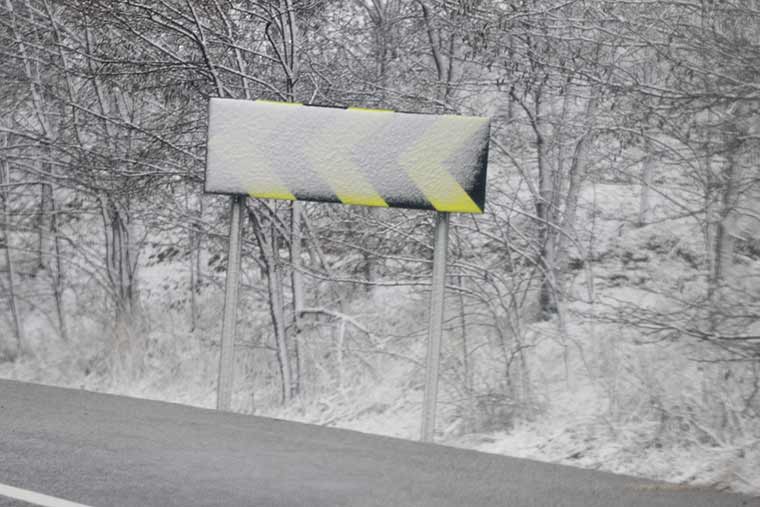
<point>265,101</point>
<point>424,160</point>
<point>283,194</point>
<point>331,156</point>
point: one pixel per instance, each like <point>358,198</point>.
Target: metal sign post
<point>435,329</point>
<point>231,286</point>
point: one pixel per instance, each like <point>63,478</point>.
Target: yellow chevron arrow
<point>423,163</point>
<point>330,154</point>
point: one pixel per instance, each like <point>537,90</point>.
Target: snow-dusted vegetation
<point>604,312</point>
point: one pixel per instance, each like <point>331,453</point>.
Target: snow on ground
<point>573,433</point>
<point>591,383</point>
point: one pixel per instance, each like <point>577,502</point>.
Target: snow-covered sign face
<point>353,156</point>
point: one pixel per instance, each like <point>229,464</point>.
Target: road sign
<point>369,157</point>
<point>359,156</point>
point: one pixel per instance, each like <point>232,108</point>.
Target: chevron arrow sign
<point>281,150</point>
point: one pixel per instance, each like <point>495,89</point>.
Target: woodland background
<point>603,312</point>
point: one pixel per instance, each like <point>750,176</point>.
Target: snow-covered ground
<point>596,387</point>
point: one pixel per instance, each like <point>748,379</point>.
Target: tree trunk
<point>44,226</point>
<point>6,245</point>
<point>467,369</point>
<point>577,174</point>
<point>58,275</point>
<point>339,349</point>
<point>269,248</point>
<point>126,306</point>
<point>579,164</point>
<point>724,240</point>
<point>191,262</point>
<point>194,263</point>
<point>19,330</point>
<point>647,175</point>
<point>546,236</point>
<point>370,243</point>
<point>277,305</point>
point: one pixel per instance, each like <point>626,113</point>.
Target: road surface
<point>102,450</point>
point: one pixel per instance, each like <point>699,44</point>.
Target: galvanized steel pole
<point>231,285</point>
<point>435,331</point>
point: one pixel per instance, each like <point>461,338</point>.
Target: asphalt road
<point>103,450</point>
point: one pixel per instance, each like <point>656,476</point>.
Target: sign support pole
<point>231,286</point>
<point>435,330</point>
